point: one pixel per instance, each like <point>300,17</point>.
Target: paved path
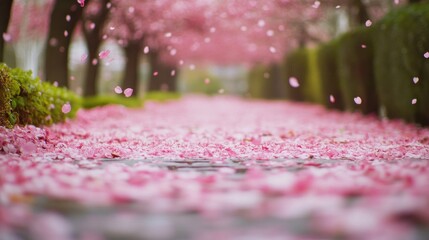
<point>212,168</point>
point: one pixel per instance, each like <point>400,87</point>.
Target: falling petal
<point>331,98</point>
<point>83,57</point>
<point>293,81</point>
<point>358,100</point>
<point>66,108</point>
<point>316,4</point>
<point>81,2</point>
<point>415,80</point>
<point>118,90</point>
<point>426,55</point>
<point>104,54</point>
<point>128,92</point>
<point>7,37</point>
<point>414,101</point>
<point>146,50</point>
<point>368,23</point>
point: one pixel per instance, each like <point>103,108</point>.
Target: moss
<point>26,100</point>
<point>356,71</point>
<point>328,72</point>
<point>401,39</point>
<point>103,100</point>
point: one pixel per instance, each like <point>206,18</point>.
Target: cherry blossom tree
<point>5,10</point>
<point>27,35</point>
<point>94,20</point>
<point>127,19</point>
<point>64,18</point>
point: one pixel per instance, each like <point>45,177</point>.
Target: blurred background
<point>335,53</point>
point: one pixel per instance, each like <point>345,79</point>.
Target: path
<point>211,168</point>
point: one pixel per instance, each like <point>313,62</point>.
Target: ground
<point>215,168</point>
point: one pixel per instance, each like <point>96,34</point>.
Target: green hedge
<point>301,64</point>
<point>328,73</point>
<point>356,71</point>
<point>401,40</point>
<point>257,81</point>
<point>296,65</point>
<point>267,82</point>
<point>26,100</point>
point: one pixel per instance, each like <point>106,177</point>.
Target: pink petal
<point>81,2</point>
<point>104,54</point>
<point>66,108</point>
<point>368,23</point>
<point>128,92</point>
<point>83,57</point>
<point>358,100</point>
<point>118,90</point>
<point>293,81</point>
<point>7,37</point>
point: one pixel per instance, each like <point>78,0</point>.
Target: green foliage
<point>103,100</point>
<point>401,39</point>
<point>194,81</point>
<point>328,72</point>
<point>26,100</point>
<point>267,82</point>
<point>356,71</point>
<point>256,81</point>
<point>161,96</point>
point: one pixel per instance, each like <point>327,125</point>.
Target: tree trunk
<point>163,77</point>
<point>5,10</point>
<point>131,76</point>
<point>93,39</point>
<point>59,39</point>
<point>360,12</point>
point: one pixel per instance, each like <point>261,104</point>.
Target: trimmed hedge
<point>267,82</point>
<point>26,100</point>
<point>257,81</point>
<point>301,64</point>
<point>296,65</point>
<point>401,39</point>
<point>328,73</point>
<point>356,71</point>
